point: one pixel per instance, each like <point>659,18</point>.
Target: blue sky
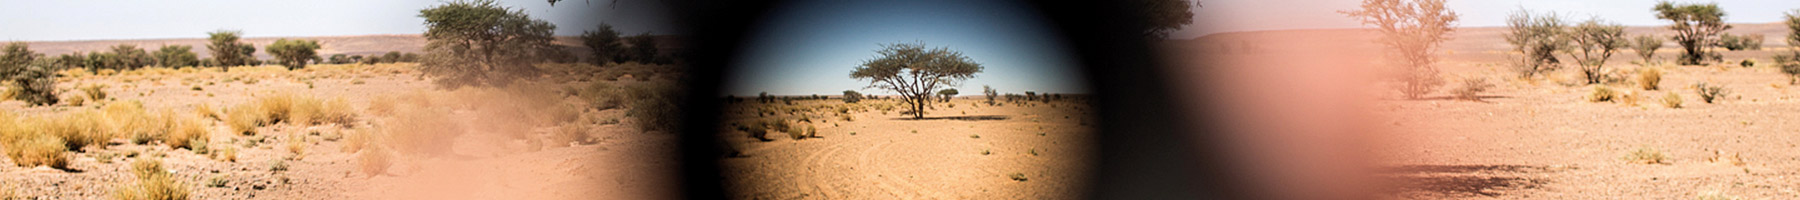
<point>1247,15</point>
<point>811,48</point>
<point>33,20</point>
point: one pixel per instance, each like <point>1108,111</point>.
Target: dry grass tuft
<point>1672,100</point>
<point>188,133</point>
<point>153,183</point>
<point>1602,94</point>
<point>1647,155</point>
<point>382,105</point>
<point>1650,78</point>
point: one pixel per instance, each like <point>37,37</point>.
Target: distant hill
<point>348,45</point>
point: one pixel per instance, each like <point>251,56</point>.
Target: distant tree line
<point>609,47</point>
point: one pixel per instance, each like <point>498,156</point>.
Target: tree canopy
<point>293,53</point>
<point>1412,30</point>
<point>915,71</point>
<point>1696,26</point>
<point>227,51</point>
<point>480,43</point>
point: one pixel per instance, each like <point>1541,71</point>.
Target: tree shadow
<point>961,118</point>
<point>1463,180</point>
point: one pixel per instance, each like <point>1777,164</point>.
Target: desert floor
<point>1540,137</point>
<point>618,162</point>
<point>969,151</point>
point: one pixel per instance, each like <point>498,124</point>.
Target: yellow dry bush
<point>206,110</point>
<point>569,135</point>
<point>96,92</point>
<point>1650,78</point>
<point>76,129</point>
<point>418,130</point>
<point>28,149</point>
<point>188,133</point>
<point>153,183</point>
<point>277,107</point>
<point>244,118</point>
<point>337,111</point>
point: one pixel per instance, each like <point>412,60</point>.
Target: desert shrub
<point>244,118</point>
<point>1537,37</point>
<point>796,133</point>
<point>227,154</point>
<point>293,53</point>
<point>77,129</point>
<point>1646,46</point>
<point>188,133</point>
<point>602,95</point>
<point>358,140</point>
<point>1471,88</point>
<point>373,162</point>
<point>33,81</point>
<point>1595,41</point>
<point>1747,63</point>
<point>176,56</point>
<point>152,183</point>
<point>28,149</point>
<point>653,105</point>
<point>1017,177</point>
<point>421,131</point>
<point>95,92</point>
<point>1738,43</point>
<point>1709,93</point>
<point>1602,93</point>
<point>1650,78</point>
<point>206,110</point>
<point>1646,155</point>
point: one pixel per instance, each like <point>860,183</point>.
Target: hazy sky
<point>811,48</point>
<point>33,20</point>
<point>1245,15</point>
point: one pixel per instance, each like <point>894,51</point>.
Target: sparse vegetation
<point>1709,93</point>
<point>293,53</point>
<point>1595,41</point>
<point>1646,47</point>
<point>152,183</point>
<point>1538,37</point>
<point>1647,155</point>
<point>1649,78</point>
<point>1602,94</point>
<point>1471,88</point>
<point>510,42</point>
<point>1413,30</point>
<point>1696,27</point>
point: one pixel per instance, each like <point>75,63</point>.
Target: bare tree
<point>1413,30</point>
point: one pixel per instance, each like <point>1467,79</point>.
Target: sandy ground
<point>623,163</point>
<point>1536,138</point>
<point>890,156</point>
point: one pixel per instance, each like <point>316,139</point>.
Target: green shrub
<point>1709,93</point>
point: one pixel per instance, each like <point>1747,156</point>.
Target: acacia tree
<point>1595,41</point>
<point>176,56</point>
<point>605,44</point>
<point>947,94</point>
<point>227,51</point>
<point>293,53</point>
<point>127,57</point>
<point>1790,61</point>
<point>477,43</point>
<point>1537,38</point>
<point>851,96</point>
<point>914,71</point>
<point>1646,47</point>
<point>1696,26</point>
<point>1412,30</point>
